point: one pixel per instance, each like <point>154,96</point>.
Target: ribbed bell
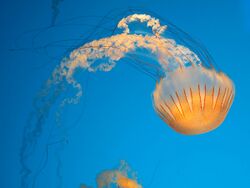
<point>194,100</point>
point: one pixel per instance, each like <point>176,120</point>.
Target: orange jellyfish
<point>125,182</point>
<point>121,177</point>
<point>194,99</point>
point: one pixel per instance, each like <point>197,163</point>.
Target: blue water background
<point>118,121</point>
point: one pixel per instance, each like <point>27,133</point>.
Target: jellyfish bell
<point>193,99</point>
<point>125,182</point>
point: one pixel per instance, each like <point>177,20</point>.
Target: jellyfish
<point>121,177</point>
<point>191,95</point>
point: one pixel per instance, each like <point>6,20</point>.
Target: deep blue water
<point>115,119</point>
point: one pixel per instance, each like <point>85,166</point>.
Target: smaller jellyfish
<point>124,182</point>
<point>121,177</point>
<point>194,99</point>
